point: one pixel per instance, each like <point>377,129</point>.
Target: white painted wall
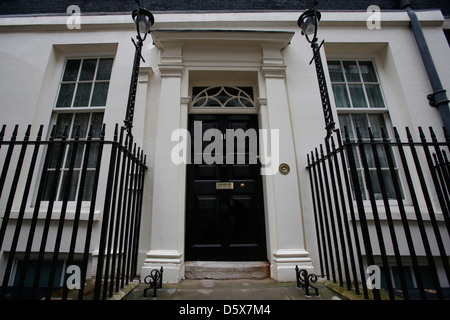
<point>33,48</point>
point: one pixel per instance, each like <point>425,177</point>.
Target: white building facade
<point>375,77</point>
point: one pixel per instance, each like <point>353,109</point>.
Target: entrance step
<point>227,270</point>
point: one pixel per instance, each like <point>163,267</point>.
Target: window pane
<point>65,95</point>
<point>71,71</point>
<point>360,121</point>
<point>351,71</point>
<point>48,185</point>
<point>82,95</point>
<point>54,155</point>
<point>361,185</point>
<point>104,69</point>
<point>100,94</point>
<point>357,94</point>
<point>97,123</point>
<point>93,155</point>
<point>346,123</point>
<point>81,119</point>
<point>246,103</point>
<point>78,157</point>
<point>341,96</point>
<point>376,122</point>
<point>88,69</point>
<point>369,156</point>
<point>233,103</point>
<point>64,119</point>
<point>375,185</point>
<point>88,185</point>
<point>200,102</point>
<point>72,188</point>
<point>368,71</point>
<point>382,157</point>
<point>336,73</point>
<point>375,96</point>
<point>44,275</point>
<point>388,184</point>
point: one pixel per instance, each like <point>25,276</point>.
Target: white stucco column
<point>285,219</point>
<point>168,203</point>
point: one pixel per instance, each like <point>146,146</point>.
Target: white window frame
<point>60,110</point>
<point>367,111</point>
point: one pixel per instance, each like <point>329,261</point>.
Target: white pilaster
<point>168,200</point>
<point>285,229</point>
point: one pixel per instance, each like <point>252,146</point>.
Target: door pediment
<point>162,37</point>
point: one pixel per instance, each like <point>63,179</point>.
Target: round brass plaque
<point>284,168</point>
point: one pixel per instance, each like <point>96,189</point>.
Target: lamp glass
<point>144,23</point>
<point>308,25</point>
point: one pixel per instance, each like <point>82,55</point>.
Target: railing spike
<point>383,134</point>
<point>122,130</point>
<point>408,134</point>
<point>372,139</point>
<point>358,133</point>
<point>52,133</point>
<point>103,132</point>
<point>116,132</point>
<point>39,134</point>
<point>27,133</point>
<point>66,129</point>
<point>433,135</point>
<point>2,132</point>
<point>14,134</point>
<point>421,134</point>
<point>89,135</point>
<point>346,134</point>
<point>396,134</point>
<point>77,132</point>
<point>338,131</point>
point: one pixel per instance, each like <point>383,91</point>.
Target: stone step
<point>227,270</point>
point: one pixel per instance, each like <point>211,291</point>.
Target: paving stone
<point>242,289</point>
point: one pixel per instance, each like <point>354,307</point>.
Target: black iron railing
<point>61,200</point>
<point>384,203</point>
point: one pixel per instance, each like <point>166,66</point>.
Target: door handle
<point>242,185</point>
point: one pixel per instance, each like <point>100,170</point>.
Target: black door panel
<point>225,224</point>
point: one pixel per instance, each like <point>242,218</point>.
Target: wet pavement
<point>242,289</point>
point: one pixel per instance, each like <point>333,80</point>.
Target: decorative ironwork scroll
<point>304,281</point>
<point>154,279</point>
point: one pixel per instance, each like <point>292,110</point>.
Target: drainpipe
<point>439,97</point>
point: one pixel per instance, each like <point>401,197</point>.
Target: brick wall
<point>50,6</point>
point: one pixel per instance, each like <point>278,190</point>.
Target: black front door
<point>224,202</point>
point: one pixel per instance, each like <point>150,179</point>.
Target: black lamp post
<point>309,22</point>
<point>143,20</point>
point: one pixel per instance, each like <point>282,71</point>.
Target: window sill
<point>395,213</point>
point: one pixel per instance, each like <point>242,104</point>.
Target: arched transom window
<point>222,97</point>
